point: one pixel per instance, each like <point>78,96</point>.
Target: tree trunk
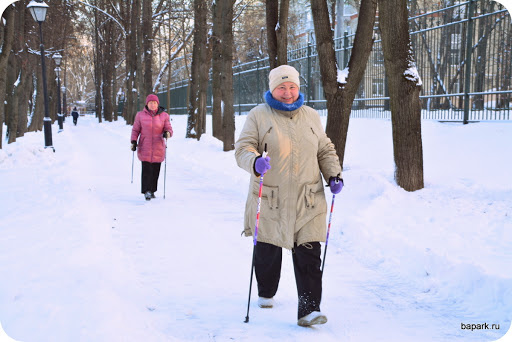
<point>277,32</point>
<point>506,72</point>
<point>228,115</point>
<point>26,66</point>
<point>22,97</point>
<point>19,74</point>
<point>97,66</point>
<point>6,46</point>
<point>197,97</point>
<point>114,98</point>
<point>11,117</point>
<point>484,30</point>
<point>132,16</point>
<point>147,45</point>
<point>108,64</point>
<point>272,18</point>
<point>64,93</point>
<point>340,96</point>
<point>204,77</point>
<point>36,122</point>
<point>140,98</point>
<point>281,32</point>
<point>404,89</point>
<point>216,42</point>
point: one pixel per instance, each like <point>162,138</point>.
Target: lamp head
<point>38,10</point>
<point>58,58</point>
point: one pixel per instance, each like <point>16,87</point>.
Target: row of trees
<point>398,59</point>
<point>119,38</point>
<point>112,49</point>
<point>21,88</point>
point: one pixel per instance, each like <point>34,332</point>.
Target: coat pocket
<point>314,195</point>
<point>269,195</point>
<point>311,203</point>
<point>269,209</point>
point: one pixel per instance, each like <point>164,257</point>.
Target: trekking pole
<point>165,165</point>
<point>328,230</point>
<point>255,238</point>
<point>133,157</point>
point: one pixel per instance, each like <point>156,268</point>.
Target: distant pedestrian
<point>151,126</point>
<point>74,113</point>
<point>293,205</point>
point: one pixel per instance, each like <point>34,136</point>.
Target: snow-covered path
<point>85,258</point>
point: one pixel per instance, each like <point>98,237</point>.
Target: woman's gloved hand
<point>262,165</point>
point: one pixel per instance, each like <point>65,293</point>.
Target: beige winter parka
<point>293,206</point>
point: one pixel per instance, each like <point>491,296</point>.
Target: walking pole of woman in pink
<point>165,165</point>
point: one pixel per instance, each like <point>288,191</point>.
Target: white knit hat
<point>281,74</point>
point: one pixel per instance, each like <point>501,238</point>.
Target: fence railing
<point>463,55</point>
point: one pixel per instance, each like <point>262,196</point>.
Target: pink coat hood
<point>150,127</point>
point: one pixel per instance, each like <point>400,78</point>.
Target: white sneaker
<point>266,303</point>
<point>316,317</point>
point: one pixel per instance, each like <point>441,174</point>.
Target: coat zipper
<point>264,136</point>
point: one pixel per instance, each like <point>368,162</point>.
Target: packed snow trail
<point>86,258</point>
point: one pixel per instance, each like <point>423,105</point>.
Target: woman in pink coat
<point>151,126</point>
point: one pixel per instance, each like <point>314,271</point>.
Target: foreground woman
<point>293,206</point>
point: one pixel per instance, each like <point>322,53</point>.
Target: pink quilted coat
<point>151,145</point>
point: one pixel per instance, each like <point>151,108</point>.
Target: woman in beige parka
<point>293,206</point>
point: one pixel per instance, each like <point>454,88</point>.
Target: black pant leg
<point>267,266</point>
<point>146,177</point>
<point>308,276</point>
<point>150,173</point>
<point>145,180</point>
<point>154,177</point>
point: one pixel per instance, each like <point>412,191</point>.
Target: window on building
<point>378,56</point>
<point>455,43</point>
<point>455,58</point>
<point>377,87</point>
<point>456,88</point>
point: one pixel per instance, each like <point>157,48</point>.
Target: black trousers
<point>308,275</point>
<point>150,173</point>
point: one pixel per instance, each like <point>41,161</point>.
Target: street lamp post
<point>58,58</point>
<point>64,102</point>
<point>38,10</point>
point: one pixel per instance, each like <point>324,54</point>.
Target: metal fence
<point>463,55</point>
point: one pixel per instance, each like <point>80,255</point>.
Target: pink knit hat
<point>152,97</point>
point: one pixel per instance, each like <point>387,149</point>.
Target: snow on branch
<point>171,58</point>
<point>411,73</point>
<point>342,76</point>
<point>108,15</point>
